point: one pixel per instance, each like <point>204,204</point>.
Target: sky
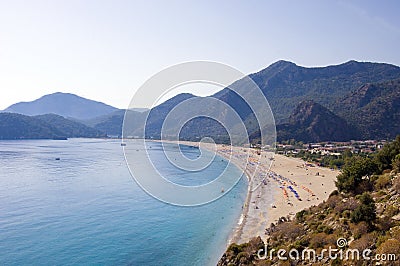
<point>105,50</point>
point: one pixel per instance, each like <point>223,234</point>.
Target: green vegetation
<point>364,210</point>
<point>373,109</point>
<point>16,126</point>
<point>69,128</point>
<point>50,126</point>
<point>312,122</point>
<point>356,176</point>
<point>389,154</point>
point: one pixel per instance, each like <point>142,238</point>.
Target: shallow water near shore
<point>85,209</point>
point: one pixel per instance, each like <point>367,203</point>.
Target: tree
<point>385,157</point>
<point>396,163</point>
<point>355,169</point>
<point>366,211</point>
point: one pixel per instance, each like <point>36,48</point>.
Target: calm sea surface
<point>85,209</point>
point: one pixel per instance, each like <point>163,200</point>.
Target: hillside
<point>311,122</point>
<point>354,100</point>
<point>286,85</point>
<point>69,128</point>
<point>374,109</point>
<point>63,104</point>
<point>49,126</point>
<point>110,124</point>
<point>17,126</point>
<point>362,214</point>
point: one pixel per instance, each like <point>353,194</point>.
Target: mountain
<point>285,84</point>
<point>49,126</point>
<point>17,126</point>
<point>157,115</point>
<point>374,109</point>
<point>152,120</point>
<point>63,104</point>
<point>311,122</point>
<point>350,100</point>
<point>110,124</point>
<point>69,128</point>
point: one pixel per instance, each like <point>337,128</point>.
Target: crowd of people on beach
<point>263,176</point>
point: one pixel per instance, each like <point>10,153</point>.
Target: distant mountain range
<point>50,126</point>
<point>354,100</point>
<point>64,104</point>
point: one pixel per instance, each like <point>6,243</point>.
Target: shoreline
<point>287,185</point>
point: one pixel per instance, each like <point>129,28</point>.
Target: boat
<point>60,138</point>
<point>123,144</point>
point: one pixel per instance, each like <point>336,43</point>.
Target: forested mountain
<point>49,126</point>
<point>69,128</point>
<point>17,126</point>
<point>374,109</point>
<point>285,84</point>
<point>311,122</point>
<point>354,100</point>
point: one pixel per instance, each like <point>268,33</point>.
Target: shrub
<point>349,204</point>
<point>366,211</point>
<point>300,216</point>
<point>355,169</point>
<point>320,240</point>
<point>346,214</point>
<point>390,246</point>
<point>364,242</point>
<point>287,231</point>
<point>395,232</point>
<point>334,193</point>
<point>333,200</point>
<point>235,248</point>
<point>328,230</point>
<point>389,152</point>
<point>382,182</point>
<point>391,211</point>
<point>396,184</point>
<point>360,229</point>
<point>384,224</point>
<point>396,163</point>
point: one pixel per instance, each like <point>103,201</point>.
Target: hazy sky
<point>104,50</point>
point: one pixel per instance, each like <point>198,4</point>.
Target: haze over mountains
<point>354,100</point>
<point>64,104</point>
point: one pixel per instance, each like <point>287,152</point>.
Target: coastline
<point>288,186</point>
<point>273,199</point>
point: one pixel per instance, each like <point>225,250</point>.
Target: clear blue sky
<point>104,50</point>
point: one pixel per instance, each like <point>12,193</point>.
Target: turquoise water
<point>85,209</point>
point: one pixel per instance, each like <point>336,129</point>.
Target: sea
<point>75,202</point>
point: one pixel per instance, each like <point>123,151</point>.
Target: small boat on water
<point>123,144</point>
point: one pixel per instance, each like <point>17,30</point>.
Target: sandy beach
<point>311,183</point>
<point>279,186</point>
